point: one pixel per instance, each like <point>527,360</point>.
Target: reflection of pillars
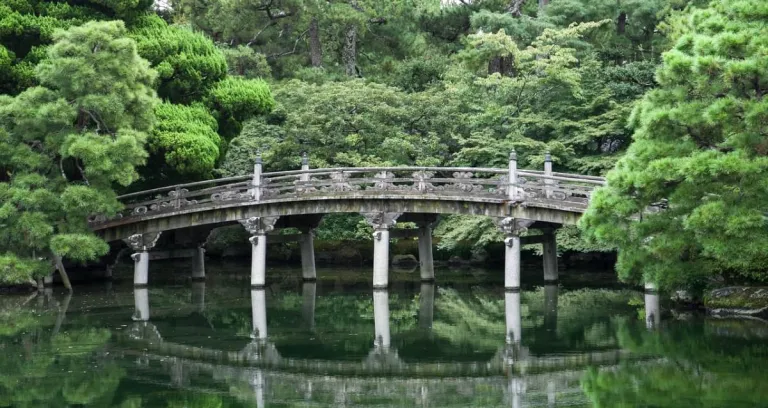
<point>652,309</point>
<point>308,291</point>
<point>550,255</point>
<point>177,373</point>
<point>141,301</point>
<point>426,305</point>
<point>381,223</point>
<point>513,318</point>
<point>512,228</point>
<point>62,312</point>
<point>258,228</point>
<point>516,391</point>
<point>198,264</point>
<point>259,313</point>
<point>551,394</point>
<point>426,261</point>
<point>141,243</point>
<point>308,271</point>
<point>258,384</point>
<point>381,318</point>
<point>198,295</point>
<point>550,307</point>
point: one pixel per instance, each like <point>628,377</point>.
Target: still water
<point>463,342</point>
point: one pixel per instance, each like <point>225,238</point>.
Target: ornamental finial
<point>304,159</point>
<point>513,155</point>
<point>547,157</point>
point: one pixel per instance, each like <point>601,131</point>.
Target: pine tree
<point>688,200</point>
<point>65,143</point>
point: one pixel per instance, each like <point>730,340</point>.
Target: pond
<point>336,342</point>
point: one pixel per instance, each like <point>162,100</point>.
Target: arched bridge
<point>517,199</point>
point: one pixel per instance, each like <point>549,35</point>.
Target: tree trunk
<point>621,26</point>
<point>515,7</point>
<point>349,53</point>
<point>315,47</point>
<point>62,272</point>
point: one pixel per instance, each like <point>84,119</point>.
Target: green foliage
<point>687,201</point>
<point>244,61</point>
<point>184,140</point>
<point>188,63</point>
<point>65,143</point>
<point>237,99</point>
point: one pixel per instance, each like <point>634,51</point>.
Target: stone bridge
<point>261,202</point>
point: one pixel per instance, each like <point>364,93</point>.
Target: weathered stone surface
<point>738,300</point>
<point>404,260</point>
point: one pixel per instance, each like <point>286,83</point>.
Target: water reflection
<point>206,345</point>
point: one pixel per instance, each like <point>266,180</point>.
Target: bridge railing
<point>480,183</point>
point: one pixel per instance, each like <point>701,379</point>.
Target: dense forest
<point>103,97</point>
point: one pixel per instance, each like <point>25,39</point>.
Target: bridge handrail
<point>491,183</point>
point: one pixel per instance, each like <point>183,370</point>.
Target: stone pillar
<point>548,172</point>
<point>426,305</point>
<point>516,391</point>
<point>141,302</point>
<point>48,280</point>
<point>513,318</point>
<point>550,307</point>
<point>512,190</point>
<point>652,308</point>
<point>549,247</point>
<point>426,261</point>
<point>308,271</point>
<point>381,318</point>
<point>512,228</point>
<point>258,384</point>
<point>141,243</point>
<point>259,314</point>
<point>198,295</point>
<point>381,222</point>
<point>258,228</point>
<point>308,294</point>
<point>198,264</point>
<point>256,181</point>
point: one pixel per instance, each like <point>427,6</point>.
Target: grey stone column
<point>141,302</point>
<point>652,307</point>
<point>513,318</point>
<point>426,305</point>
<point>259,314</point>
<point>198,264</point>
<point>512,228</point>
<point>141,244</point>
<point>198,295</point>
<point>258,227</point>
<point>308,271</point>
<point>426,261</point>
<point>381,223</point>
<point>308,295</point>
<point>516,391</point>
<point>381,319</point>
<point>48,280</point>
<point>549,247</point>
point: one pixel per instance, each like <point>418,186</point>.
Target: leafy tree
<point>66,142</point>
<point>688,199</point>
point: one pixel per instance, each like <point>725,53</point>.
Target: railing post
<point>304,167</point>
<point>256,192</point>
<point>512,176</point>
<point>548,172</point>
<point>177,201</point>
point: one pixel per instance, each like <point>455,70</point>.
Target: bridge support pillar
<point>259,314</point>
<point>308,271</point>
<point>258,228</point>
<point>198,295</point>
<point>198,264</point>
<point>513,318</point>
<point>141,243</point>
<point>381,223</point>
<point>550,256</point>
<point>381,318</point>
<point>308,292</point>
<point>652,308</point>
<point>550,307</point>
<point>512,228</point>
<point>426,261</point>
<point>141,302</point>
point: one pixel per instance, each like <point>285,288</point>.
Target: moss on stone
<point>737,297</point>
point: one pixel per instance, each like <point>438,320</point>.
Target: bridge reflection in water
<point>516,374</point>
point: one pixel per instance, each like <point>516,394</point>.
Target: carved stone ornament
<point>232,195</point>
<point>502,187</point>
<point>462,185</point>
<point>421,180</point>
<point>513,226</point>
<point>381,220</point>
<point>143,242</point>
<point>259,225</point>
<point>384,181</point>
<point>340,182</point>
